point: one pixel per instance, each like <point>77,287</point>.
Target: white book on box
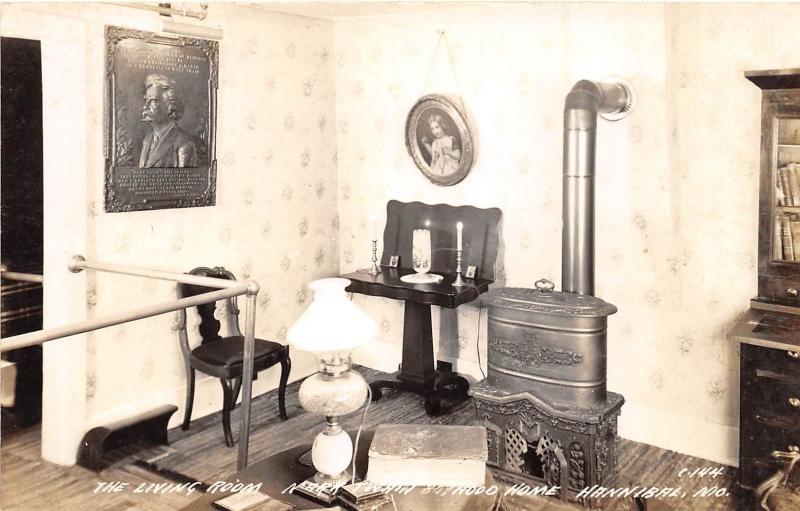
<point>428,455</point>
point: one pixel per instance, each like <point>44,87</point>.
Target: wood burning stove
<point>544,402</point>
<point>549,342</point>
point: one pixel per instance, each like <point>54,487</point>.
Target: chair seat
<point>785,498</point>
<point>224,358</point>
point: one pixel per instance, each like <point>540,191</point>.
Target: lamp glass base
<point>332,481</point>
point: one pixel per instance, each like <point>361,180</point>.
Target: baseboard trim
<point>653,426</point>
<point>207,395</point>
<point>680,433</point>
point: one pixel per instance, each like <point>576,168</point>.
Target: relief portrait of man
<point>167,145</point>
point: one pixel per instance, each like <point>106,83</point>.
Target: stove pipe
<point>613,100</point>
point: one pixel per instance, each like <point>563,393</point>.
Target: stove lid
<point>544,299</point>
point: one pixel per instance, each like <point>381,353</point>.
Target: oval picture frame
<point>439,139</point>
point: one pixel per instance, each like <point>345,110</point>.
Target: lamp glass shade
<point>332,323</point>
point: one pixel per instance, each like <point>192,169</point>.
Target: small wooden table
<point>418,373</point>
<point>480,246</point>
<point>281,470</point>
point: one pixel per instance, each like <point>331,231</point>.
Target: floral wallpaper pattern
<point>273,221</point>
<point>310,124</point>
<point>676,182</point>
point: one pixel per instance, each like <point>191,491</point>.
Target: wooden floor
<point>29,483</point>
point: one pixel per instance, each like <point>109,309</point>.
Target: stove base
<point>532,441</point>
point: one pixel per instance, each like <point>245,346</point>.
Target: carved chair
<point>222,357</point>
<point>777,493</point>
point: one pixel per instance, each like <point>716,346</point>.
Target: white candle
<point>459,228</point>
<point>374,221</point>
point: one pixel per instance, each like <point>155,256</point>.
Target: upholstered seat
<point>226,358</point>
<point>222,357</point>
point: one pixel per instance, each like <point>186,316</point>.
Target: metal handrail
<point>22,277</point>
<point>42,336</point>
<point>230,288</point>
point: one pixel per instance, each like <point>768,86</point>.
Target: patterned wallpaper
<point>275,221</point>
<point>512,67</point>
<point>676,181</point>
<point>276,217</point>
<point>311,117</point>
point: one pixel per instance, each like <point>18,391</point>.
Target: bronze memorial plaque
<point>160,121</point>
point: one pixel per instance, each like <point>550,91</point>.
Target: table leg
<point>418,373</point>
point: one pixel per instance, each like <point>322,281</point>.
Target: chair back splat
<point>209,325</point>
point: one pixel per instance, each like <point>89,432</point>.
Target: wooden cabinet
<point>779,198</point>
<point>770,400</point>
<point>769,334</point>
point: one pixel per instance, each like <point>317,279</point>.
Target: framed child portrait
<point>439,140</point>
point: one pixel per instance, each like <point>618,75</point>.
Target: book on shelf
<point>794,228</point>
<point>786,239</point>
<point>780,197</point>
<point>428,455</point>
<point>777,239</point>
<point>783,181</point>
<point>793,181</point>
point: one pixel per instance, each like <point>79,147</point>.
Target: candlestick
<point>459,228</point>
<point>375,269</point>
<point>459,279</point>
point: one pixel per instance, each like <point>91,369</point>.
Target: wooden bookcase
<point>769,334</point>
<point>779,197</point>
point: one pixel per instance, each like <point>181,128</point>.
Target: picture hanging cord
<point>443,38</point>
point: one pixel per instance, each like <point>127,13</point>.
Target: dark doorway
<point>21,215</point>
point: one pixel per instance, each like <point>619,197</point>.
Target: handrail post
<point>247,372</point>
<point>226,289</point>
